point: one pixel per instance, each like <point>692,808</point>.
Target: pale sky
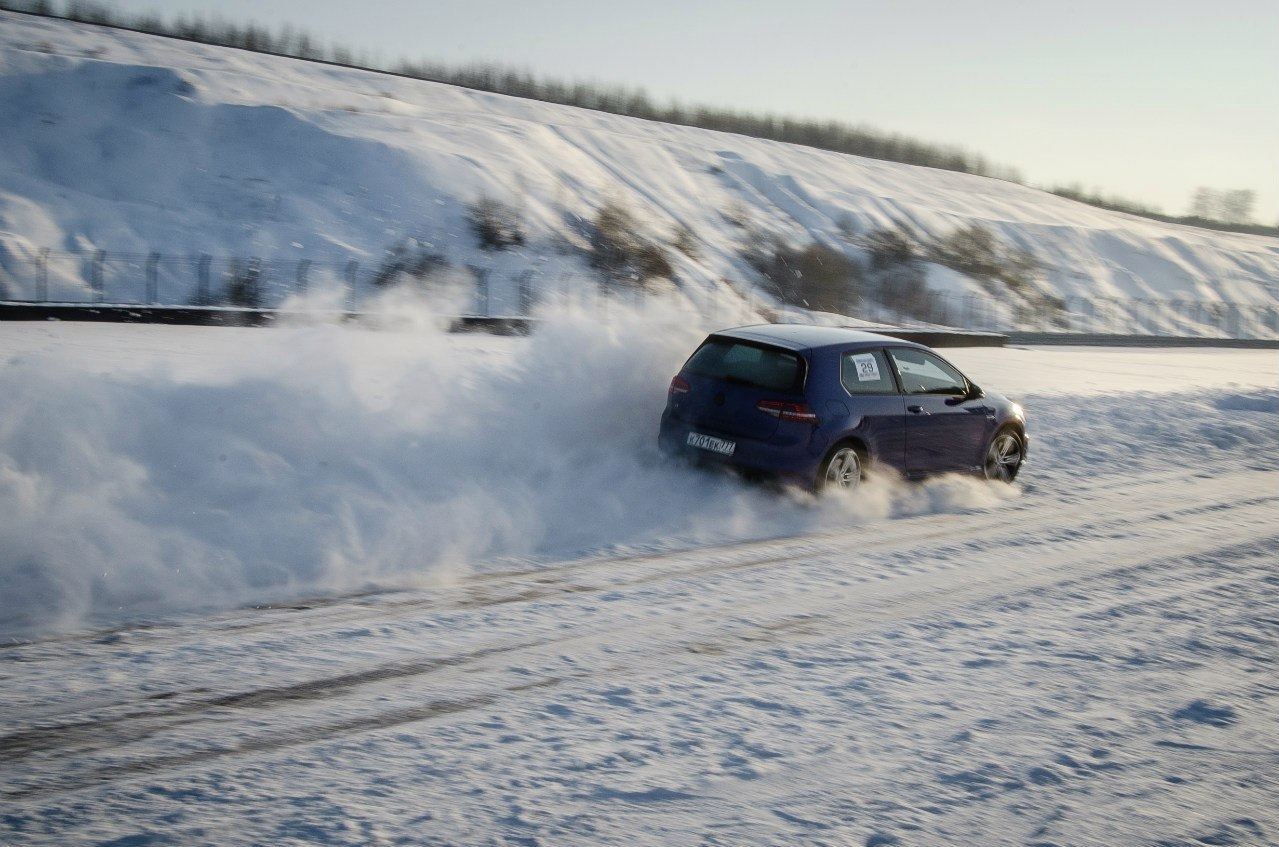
<point>1140,99</point>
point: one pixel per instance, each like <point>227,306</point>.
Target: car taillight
<point>784,411</point>
<point>679,386</point>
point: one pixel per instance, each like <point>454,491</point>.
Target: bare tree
<point>1236,205</point>
<point>1225,205</point>
<point>1203,204</point>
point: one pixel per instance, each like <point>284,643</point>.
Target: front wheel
<point>841,470</point>
<point>1004,456</point>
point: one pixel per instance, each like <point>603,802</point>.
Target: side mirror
<point>972,394</point>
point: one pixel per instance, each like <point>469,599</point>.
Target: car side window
<point>866,372</point>
<point>924,373</point>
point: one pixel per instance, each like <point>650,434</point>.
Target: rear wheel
<point>1004,456</point>
<point>842,469</point>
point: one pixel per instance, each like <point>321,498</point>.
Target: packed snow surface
<point>335,585</point>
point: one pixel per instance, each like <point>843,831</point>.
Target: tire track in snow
<point>799,600</point>
<point>509,585</point>
<point>320,732</point>
<point>617,573</point>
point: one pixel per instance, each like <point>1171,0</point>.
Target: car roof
<point>810,337</point>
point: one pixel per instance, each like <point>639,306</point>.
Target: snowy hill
<point>135,144</point>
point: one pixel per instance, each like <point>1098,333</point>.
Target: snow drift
<point>303,464</point>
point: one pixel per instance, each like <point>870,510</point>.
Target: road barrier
<point>253,290</point>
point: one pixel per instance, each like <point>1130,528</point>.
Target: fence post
<point>42,276</point>
<point>202,279</point>
<point>481,291</point>
<point>253,281</point>
<point>153,279</point>
<point>352,274</point>
<point>526,294</point>
<point>304,268</point>
<point>95,276</point>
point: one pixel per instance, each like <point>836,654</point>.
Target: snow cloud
<point>146,471</point>
<point>320,459</point>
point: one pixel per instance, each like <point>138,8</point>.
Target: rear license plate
<point>711,443</point>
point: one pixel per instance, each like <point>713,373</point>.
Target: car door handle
<point>916,410</point>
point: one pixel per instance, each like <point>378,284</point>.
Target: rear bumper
<point>784,455</point>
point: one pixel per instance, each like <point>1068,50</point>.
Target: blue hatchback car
<point>818,405</point>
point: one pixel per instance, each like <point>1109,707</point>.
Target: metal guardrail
<point>250,284</point>
<point>1097,316</point>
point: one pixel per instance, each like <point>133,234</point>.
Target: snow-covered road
<point>1088,658</point>
<point>963,678</point>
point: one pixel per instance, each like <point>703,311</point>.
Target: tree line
<point>1225,210</point>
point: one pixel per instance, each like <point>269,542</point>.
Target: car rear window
<point>751,364</point>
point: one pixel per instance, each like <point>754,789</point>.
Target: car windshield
<point>751,364</point>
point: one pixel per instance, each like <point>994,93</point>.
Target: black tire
<point>1004,456</point>
<point>843,469</point>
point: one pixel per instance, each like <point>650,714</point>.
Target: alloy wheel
<point>844,470</point>
<point>1003,459</point>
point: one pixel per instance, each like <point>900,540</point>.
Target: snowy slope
<point>131,143</point>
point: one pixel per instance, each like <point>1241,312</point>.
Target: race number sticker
<point>867,367</point>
